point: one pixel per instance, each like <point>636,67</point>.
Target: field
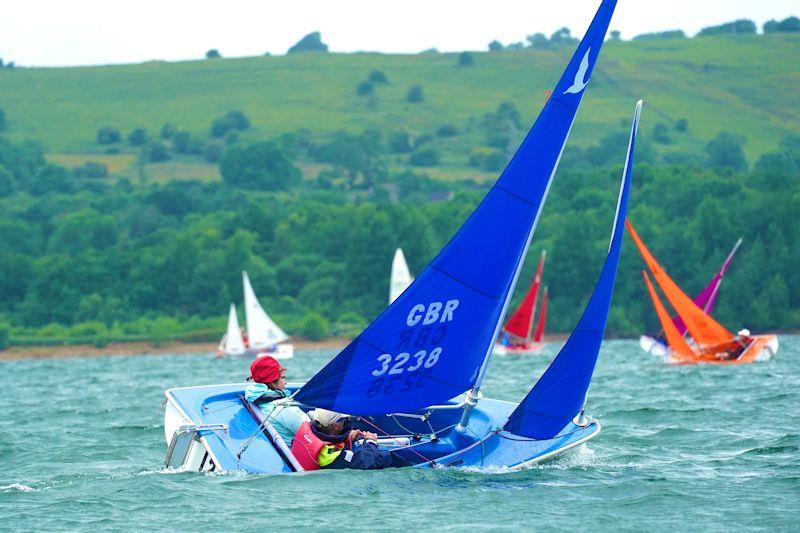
<point>745,85</point>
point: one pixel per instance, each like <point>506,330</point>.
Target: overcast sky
<point>91,32</point>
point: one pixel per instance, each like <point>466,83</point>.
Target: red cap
<point>265,370</point>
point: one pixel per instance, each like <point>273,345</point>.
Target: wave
<point>17,487</point>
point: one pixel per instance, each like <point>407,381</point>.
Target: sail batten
<point>432,343</point>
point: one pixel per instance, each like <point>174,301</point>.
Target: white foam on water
<point>17,487</point>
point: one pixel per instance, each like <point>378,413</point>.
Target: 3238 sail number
<point>400,363</point>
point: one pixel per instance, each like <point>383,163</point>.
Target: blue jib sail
<point>560,393</point>
<point>429,345</point>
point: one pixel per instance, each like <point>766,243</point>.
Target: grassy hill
<point>747,85</point>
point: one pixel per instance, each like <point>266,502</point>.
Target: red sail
<point>537,337</point>
<point>521,322</point>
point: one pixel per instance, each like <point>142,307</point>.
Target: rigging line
<point>257,431</point>
<point>397,441</point>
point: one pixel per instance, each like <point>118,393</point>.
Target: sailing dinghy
<point>264,336</point>
<point>711,342</point>
<point>414,374</point>
<point>401,277</point>
<point>657,345</point>
<point>518,336</point>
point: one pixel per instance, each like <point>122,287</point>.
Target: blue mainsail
<point>560,393</point>
<point>431,343</point>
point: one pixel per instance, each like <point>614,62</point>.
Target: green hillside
<point>746,85</point>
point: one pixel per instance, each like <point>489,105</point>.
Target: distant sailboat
<point>711,341</point>
<point>401,277</point>
<point>264,336</point>
<point>232,342</point>
<point>705,300</point>
<point>518,336</point>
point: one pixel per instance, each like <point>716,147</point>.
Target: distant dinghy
<point>657,345</point>
<point>401,277</point>
<point>711,342</point>
<point>518,336</point>
<point>263,337</point>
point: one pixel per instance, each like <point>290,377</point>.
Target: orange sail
<point>521,322</point>
<point>537,337</point>
<point>705,330</point>
<point>675,340</point>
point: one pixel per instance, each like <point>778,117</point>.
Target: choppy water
<point>700,448</point>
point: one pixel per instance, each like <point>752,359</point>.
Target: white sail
<point>262,332</point>
<point>233,343</point>
<point>401,277</point>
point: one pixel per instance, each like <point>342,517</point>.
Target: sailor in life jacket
<point>328,442</point>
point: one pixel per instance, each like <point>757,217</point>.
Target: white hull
<point>281,351</point>
<point>652,346</point>
<point>531,349</point>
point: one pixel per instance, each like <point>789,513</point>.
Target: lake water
<point>707,448</point>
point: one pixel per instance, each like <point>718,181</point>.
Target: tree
<point>669,34</point>
<point>108,135</point>
<point>725,151</point>
<point>538,40</point>
<point>213,54</point>
<point>735,27</point>
<point>562,37</point>
<point>2,120</point>
<point>5,335</point>
<point>168,130</point>
<point>365,88</point>
<point>233,120</point>
<point>682,125</point>
<point>661,134</point>
<point>138,137</point>
<point>424,158</point>
<point>155,152</point>
<point>615,35</point>
<point>377,76</point>
<point>262,165</point>
<point>447,130</point>
<point>399,142</point>
<point>415,94</point>
<point>310,43</point>
<point>465,59</point>
<point>495,46</point>
<point>315,326</point>
<point>787,25</point>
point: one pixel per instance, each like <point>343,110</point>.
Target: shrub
<point>168,130</point>
<point>91,169</point>
<point>424,158</point>
<point>447,130</point>
<point>108,135</point>
<point>212,151</point>
<point>310,43</point>
<point>365,88</point>
<point>184,143</point>
<point>682,125</point>
<point>670,34</point>
<point>138,137</point>
<point>495,46</point>
<point>315,326</point>
<point>415,94</point>
<point>156,151</point>
<point>377,76</point>
<point>725,151</point>
<point>494,161</point>
<point>213,54</point>
<point>465,59</point>
<point>233,120</point>
<point>2,120</point>
<point>399,142</point>
<point>661,134</point>
<point>262,165</point>
<point>5,335</point>
<point>538,40</point>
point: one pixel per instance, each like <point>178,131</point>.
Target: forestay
<point>261,330</point>
<point>560,393</point>
<point>431,343</point>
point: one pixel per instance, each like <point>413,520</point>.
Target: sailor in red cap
<point>267,390</point>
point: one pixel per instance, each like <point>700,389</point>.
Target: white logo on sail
<point>580,81</point>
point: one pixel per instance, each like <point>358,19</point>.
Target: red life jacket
<point>306,447</point>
